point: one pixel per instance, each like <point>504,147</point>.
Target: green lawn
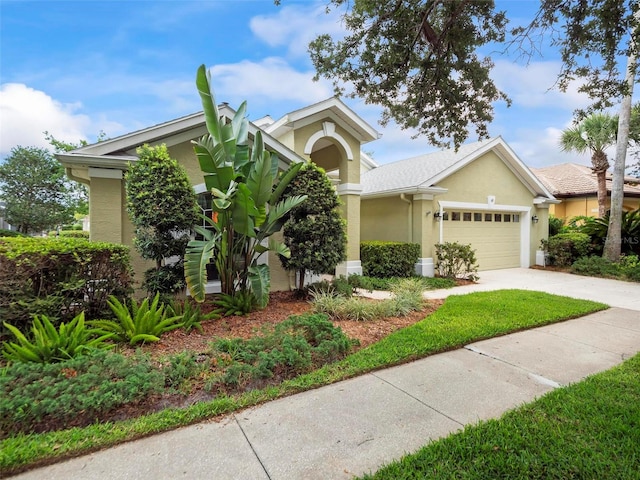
<point>590,429</point>
<point>462,319</point>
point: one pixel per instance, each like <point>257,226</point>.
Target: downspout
<point>410,219</point>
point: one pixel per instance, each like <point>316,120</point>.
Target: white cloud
<point>533,85</point>
<point>265,82</point>
<point>26,113</point>
<point>295,26</point>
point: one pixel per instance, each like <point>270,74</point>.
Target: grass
<point>590,429</point>
<point>460,320</point>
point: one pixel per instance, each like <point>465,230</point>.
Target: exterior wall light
<point>437,216</point>
<point>534,219</point>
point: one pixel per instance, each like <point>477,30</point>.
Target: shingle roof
<point>420,171</point>
<point>571,179</point>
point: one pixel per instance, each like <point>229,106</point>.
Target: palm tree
<point>594,133</point>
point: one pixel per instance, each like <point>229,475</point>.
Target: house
<point>577,188</point>
<point>482,194</point>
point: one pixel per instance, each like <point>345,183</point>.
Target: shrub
<point>191,315</point>
<point>59,277</point>
<point>34,395</point>
<point>389,259</point>
<point>555,225</point>
<point>74,233</point>
<point>565,248</point>
<point>595,266</point>
<point>10,233</point>
<point>630,267</point>
<point>292,347</point>
<point>597,229</point>
<point>141,323</point>
<point>454,260</point>
<point>53,345</point>
<point>238,303</point>
<point>407,296</point>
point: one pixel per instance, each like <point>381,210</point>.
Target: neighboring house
<point>577,187</point>
<point>398,201</point>
<point>3,223</point>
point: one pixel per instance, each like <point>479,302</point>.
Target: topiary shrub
<point>388,259</point>
<point>454,260</point>
<point>565,248</point>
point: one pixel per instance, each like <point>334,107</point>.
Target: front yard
<point>461,319</point>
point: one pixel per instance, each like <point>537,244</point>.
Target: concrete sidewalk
<point>356,426</point>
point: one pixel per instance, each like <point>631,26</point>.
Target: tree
<point>418,59</point>
<point>594,34</point>
<point>247,204</point>
<point>163,209</point>
<point>315,231</point>
<point>32,185</point>
<point>595,133</point>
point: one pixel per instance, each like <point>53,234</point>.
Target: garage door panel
<point>497,244</point>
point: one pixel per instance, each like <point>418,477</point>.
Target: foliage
<point>238,303</point>
<point>454,260</point>
<point>419,61</point>
<point>388,259</point>
<point>406,297</point>
<point>597,229</point>
<point>555,225</point>
<point>593,134</point>
<point>32,184</point>
<point>374,283</point>
<point>294,347</point>
<point>595,266</point>
<point>314,230</point>
<point>33,394</point>
<point>471,318</point>
<point>248,208</point>
<point>10,233</point>
<point>552,437</point>
<point>190,313</point>
<point>565,248</point>
<point>140,323</point>
<point>179,368</point>
<point>59,277</point>
<point>74,234</point>
<point>50,344</point>
<point>163,208</point>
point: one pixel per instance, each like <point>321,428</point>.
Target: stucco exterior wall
<point>384,219</point>
<point>186,157</point>
<point>586,206</point>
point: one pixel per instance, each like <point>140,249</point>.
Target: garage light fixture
<point>437,216</point>
<point>534,219</point>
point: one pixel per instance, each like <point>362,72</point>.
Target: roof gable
<point>424,172</point>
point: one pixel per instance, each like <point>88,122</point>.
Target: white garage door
<point>495,236</point>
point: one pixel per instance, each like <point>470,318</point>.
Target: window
<point>497,217</point>
<point>507,217</point>
<point>488,217</point>
<point>455,216</point>
<point>445,216</point>
<point>205,204</point>
<point>466,216</point>
<point>516,218</point>
<point>477,217</point>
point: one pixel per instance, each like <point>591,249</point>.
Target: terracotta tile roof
<point>571,179</point>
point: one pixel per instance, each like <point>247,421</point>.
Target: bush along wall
<point>565,248</point>
<point>388,259</point>
<point>59,277</point>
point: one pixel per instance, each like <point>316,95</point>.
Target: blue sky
<point>75,68</point>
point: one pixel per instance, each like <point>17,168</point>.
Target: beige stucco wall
<point>384,219</point>
<point>586,206</point>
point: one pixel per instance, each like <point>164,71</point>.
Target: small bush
<point>293,347</point>
<point>179,368</point>
<point>454,260</point>
<point>33,395</point>
<point>630,267</point>
<point>240,303</point>
<point>53,345</point>
<point>191,315</point>
<point>595,266</point>
<point>389,259</point>
<point>555,225</point>
<point>140,323</point>
<point>565,248</point>
<point>74,233</point>
<point>10,233</point>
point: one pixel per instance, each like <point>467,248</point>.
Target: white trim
<point>525,222</point>
<point>424,196</point>
<point>430,191</point>
<point>328,130</point>
<point>113,173</point>
<point>349,189</point>
<point>425,267</point>
<point>350,267</point>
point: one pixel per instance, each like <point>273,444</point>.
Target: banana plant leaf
<point>260,280</point>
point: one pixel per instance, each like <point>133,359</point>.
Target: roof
<point>421,174</point>
<point>573,180</point>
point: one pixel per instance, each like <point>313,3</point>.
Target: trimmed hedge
<point>10,233</point>
<point>388,259</point>
<point>59,277</point>
<point>74,234</point>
